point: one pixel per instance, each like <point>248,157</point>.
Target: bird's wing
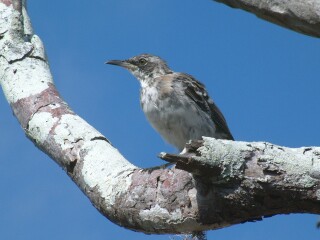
<point>195,90</point>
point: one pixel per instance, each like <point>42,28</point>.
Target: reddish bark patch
<point>17,4</point>
<point>25,108</point>
<point>167,188</point>
<point>46,101</point>
<point>6,2</point>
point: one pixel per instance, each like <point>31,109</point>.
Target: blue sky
<point>264,78</point>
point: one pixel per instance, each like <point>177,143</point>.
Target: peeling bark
<point>216,183</point>
<point>302,16</point>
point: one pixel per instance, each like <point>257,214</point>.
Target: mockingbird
<point>176,104</point>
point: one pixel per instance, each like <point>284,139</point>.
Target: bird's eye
<point>142,61</point>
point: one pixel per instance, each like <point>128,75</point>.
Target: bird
<point>176,104</point>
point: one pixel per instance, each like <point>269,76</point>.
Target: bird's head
<point>144,67</point>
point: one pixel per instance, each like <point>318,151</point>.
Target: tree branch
<point>225,182</point>
<point>302,16</point>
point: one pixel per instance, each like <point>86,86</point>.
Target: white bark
<point>302,16</point>
<point>232,182</point>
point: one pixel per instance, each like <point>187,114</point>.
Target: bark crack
<point>38,58</point>
<point>18,59</point>
<point>100,138</point>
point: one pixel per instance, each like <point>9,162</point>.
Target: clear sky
<point>264,78</point>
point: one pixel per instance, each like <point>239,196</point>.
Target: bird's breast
<point>158,107</point>
<point>174,117</point>
<point>149,98</point>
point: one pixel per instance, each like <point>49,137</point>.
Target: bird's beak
<point>121,63</point>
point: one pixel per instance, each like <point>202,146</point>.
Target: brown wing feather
<point>196,91</point>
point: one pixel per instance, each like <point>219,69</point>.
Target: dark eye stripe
<point>142,61</point>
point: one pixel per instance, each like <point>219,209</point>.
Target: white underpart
<point>177,119</point>
<point>149,96</point>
